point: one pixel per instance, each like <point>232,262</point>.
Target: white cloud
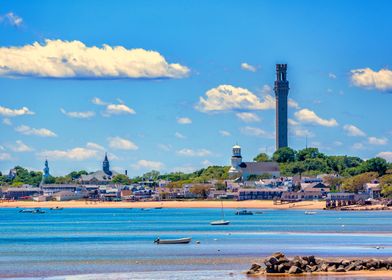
<point>118,109</point>
<point>122,144</point>
<point>224,133</point>
<point>73,59</point>
<point>184,120</point>
<point>206,163</point>
<point>385,155</point>
<point>227,97</point>
<point>98,101</point>
<point>248,117</point>
<point>148,164</point>
<point>7,112</point>
<point>43,132</point>
<point>366,77</point>
<point>7,121</point>
<point>78,115</point>
<point>94,146</point>
<point>308,116</point>
<point>179,135</point>
<point>255,131</point>
<point>352,130</point>
<point>377,141</point>
<point>193,153</point>
<point>5,156</point>
<point>248,67</point>
<point>293,122</point>
<point>113,109</point>
<point>358,146</point>
<point>293,104</point>
<point>337,143</point>
<point>20,147</point>
<point>331,76</point>
<point>301,132</point>
<point>11,19</point>
<point>77,153</point>
<point>164,147</point>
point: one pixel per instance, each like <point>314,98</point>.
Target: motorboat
<point>244,212</point>
<point>185,240</point>
<point>310,212</point>
<point>56,208</point>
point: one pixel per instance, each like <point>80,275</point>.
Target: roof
<point>259,167</point>
<point>98,175</point>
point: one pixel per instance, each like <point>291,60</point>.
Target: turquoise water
<point>118,243</point>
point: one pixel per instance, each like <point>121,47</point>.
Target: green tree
<point>386,185</point>
<point>284,154</point>
<point>262,157</point>
<point>357,182</point>
<point>121,179</point>
<point>377,164</point>
<point>309,153</point>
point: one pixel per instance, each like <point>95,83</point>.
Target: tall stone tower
<point>281,91</point>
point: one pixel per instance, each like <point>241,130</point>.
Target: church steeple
<point>46,169</point>
<point>106,165</point>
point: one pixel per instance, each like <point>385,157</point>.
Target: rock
<point>331,268</point>
<point>312,260</point>
<point>295,270</point>
<point>283,260</point>
<point>372,269</point>
<point>345,262</point>
<point>255,267</point>
<point>278,255</point>
<point>273,261</point>
<point>340,269</point>
<point>324,267</point>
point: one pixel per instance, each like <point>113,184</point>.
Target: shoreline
<point>254,204</point>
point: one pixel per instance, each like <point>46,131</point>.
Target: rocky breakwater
<point>278,263</point>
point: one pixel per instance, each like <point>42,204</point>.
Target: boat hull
<point>173,241</point>
<point>220,223</point>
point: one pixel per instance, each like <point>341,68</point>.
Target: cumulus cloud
<point>179,135</point>
<point>227,97</point>
<point>255,131</point>
<point>121,144</point>
<point>20,147</point>
<point>367,78</point>
<point>332,76</point>
<point>148,164</point>
<point>377,141</point>
<point>94,146</point>
<point>5,156</point>
<point>78,115</point>
<point>113,109</point>
<point>12,19</point>
<point>7,112</point>
<point>7,121</point>
<point>248,117</point>
<point>73,59</point>
<point>308,116</point>
<point>293,104</point>
<point>248,67</point>
<point>224,133</point>
<point>301,132</point>
<point>193,153</point>
<point>184,120</point>
<point>77,153</point>
<point>352,130</point>
<point>43,132</point>
<point>293,122</point>
<point>385,155</point>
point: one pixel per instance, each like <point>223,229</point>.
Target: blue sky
<point>206,85</point>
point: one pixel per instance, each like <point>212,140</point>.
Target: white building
<point>240,169</point>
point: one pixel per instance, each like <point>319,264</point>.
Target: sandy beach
<point>260,204</point>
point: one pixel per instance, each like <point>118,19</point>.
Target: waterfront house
<point>20,193</point>
<point>260,193</point>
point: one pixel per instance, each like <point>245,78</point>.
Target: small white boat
<point>221,222</point>
<point>173,241</point>
<point>310,212</point>
<point>244,212</point>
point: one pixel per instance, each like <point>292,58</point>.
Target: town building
<point>102,177</point>
<point>244,170</point>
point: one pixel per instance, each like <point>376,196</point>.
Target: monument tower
<point>281,91</point>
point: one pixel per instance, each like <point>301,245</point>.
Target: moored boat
<point>220,223</point>
<point>185,240</point>
<point>310,212</point>
<point>244,212</point>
